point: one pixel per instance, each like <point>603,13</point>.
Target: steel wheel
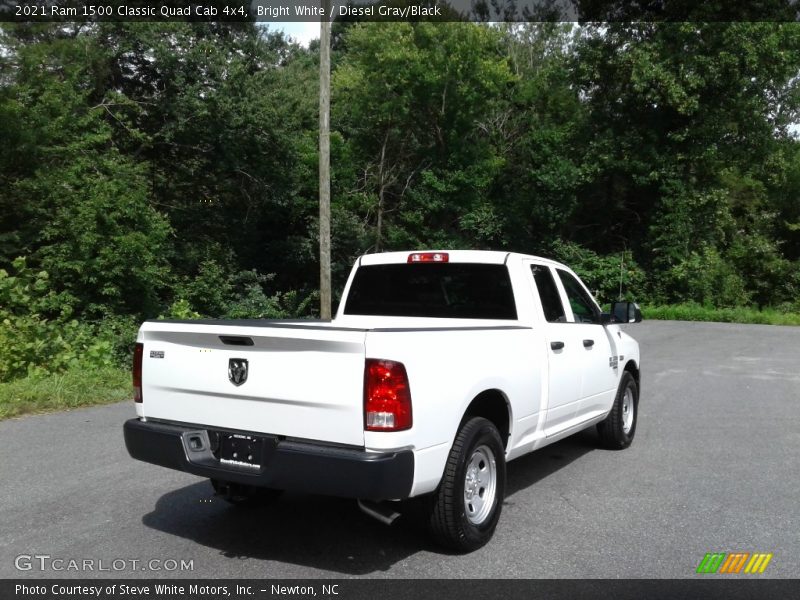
<point>464,510</point>
<point>628,407</point>
<point>619,427</point>
<point>480,484</point>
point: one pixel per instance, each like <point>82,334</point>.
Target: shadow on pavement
<point>313,531</point>
<point>324,533</point>
<point>531,468</point>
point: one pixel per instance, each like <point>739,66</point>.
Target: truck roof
<point>491,257</point>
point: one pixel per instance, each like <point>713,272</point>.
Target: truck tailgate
<point>302,382</point>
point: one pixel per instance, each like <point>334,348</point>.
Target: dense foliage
<point>170,169</point>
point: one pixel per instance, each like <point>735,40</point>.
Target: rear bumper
<point>286,465</point>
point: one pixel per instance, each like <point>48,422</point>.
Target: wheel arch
<point>492,405</point>
<point>632,368</point>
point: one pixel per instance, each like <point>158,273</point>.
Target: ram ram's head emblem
<point>237,370</point>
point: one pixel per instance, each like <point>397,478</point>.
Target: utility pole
<point>325,162</point>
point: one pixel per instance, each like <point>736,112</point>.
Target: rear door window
<point>548,294</point>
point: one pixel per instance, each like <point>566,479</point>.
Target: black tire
<point>614,434</point>
<point>244,495</point>
<point>454,521</point>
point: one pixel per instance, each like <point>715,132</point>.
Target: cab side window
<point>582,305</point>
<point>548,294</point>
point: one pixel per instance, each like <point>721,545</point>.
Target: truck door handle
<point>556,345</point>
<point>588,343</point>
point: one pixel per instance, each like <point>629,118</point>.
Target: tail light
<point>137,372</point>
<point>387,396</point>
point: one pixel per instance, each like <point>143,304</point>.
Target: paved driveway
<point>715,467</point>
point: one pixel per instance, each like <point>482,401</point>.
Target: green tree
<point>685,121</point>
<point>76,204</point>
<point>540,136</point>
<point>413,102</point>
<point>219,127</point>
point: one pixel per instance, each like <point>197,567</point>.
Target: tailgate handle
<point>236,340</point>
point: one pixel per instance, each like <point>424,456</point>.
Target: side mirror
<point>625,312</point>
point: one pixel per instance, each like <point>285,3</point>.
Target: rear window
<point>442,290</point>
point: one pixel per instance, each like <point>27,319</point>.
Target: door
<point>561,346</point>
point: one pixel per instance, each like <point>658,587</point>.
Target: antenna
<point>621,266</point>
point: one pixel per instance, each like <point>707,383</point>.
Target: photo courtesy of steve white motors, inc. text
<point>171,590</point>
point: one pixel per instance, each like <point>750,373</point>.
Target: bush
<point>601,274</point>
<point>182,310</point>
<point>120,331</point>
<point>235,295</point>
<point>34,337</point>
<point>705,277</point>
<point>255,304</point>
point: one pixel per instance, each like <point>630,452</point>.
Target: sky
<point>302,33</point>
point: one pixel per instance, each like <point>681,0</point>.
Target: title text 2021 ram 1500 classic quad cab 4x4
<point>439,368</point>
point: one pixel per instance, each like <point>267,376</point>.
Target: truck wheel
<point>618,428</point>
<point>244,495</point>
<point>466,506</point>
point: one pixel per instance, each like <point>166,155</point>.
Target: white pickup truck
<point>439,368</point>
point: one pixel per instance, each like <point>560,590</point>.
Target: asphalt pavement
<point>715,467</point>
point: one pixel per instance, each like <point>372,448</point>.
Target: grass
<point>696,312</point>
<point>77,387</point>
